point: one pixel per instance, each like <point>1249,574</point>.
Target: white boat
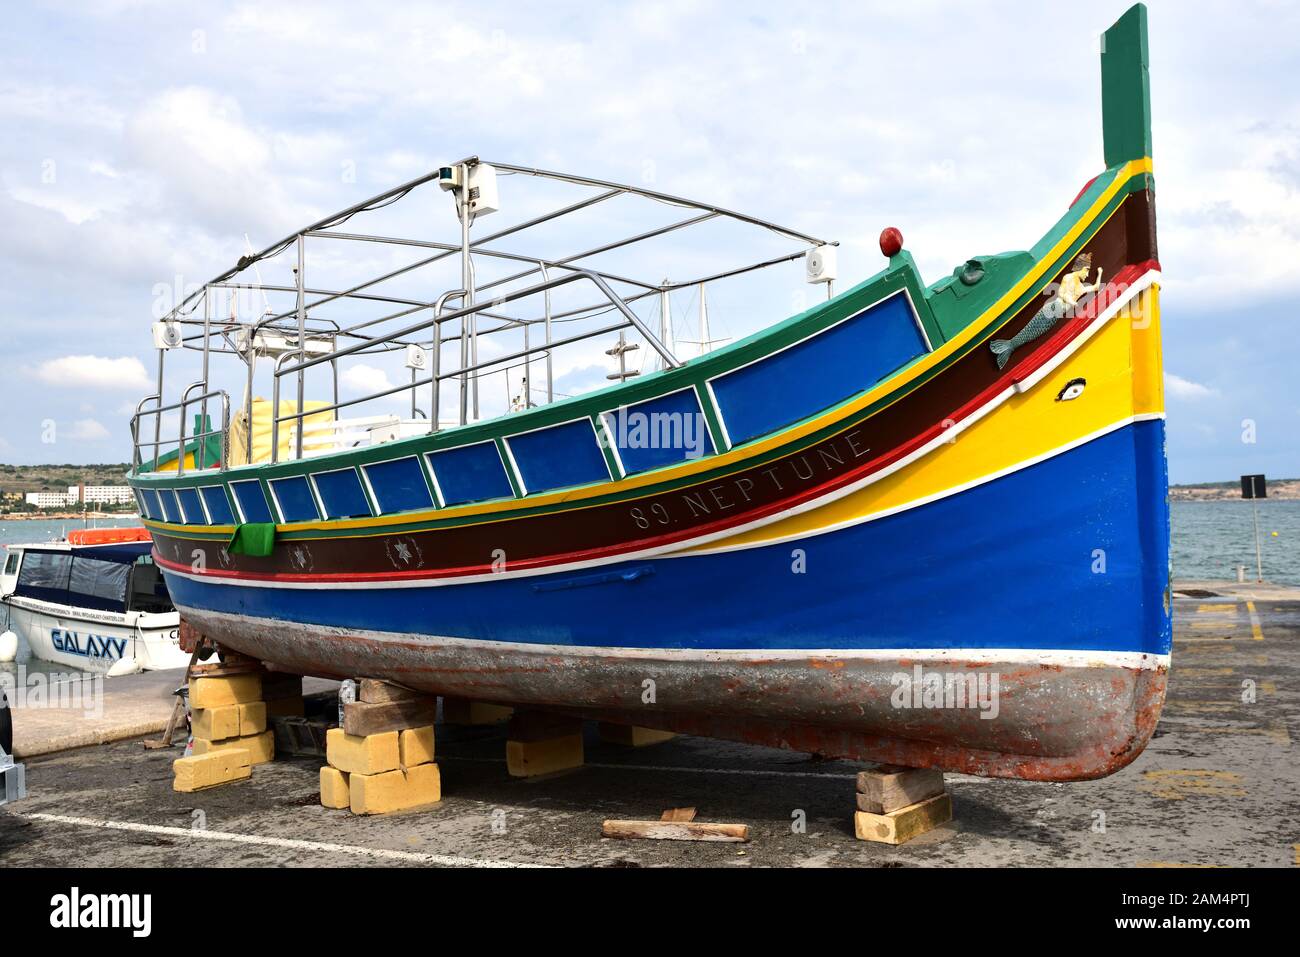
<point>95,602</point>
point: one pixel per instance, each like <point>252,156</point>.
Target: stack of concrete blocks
<point>631,735</point>
<point>896,804</point>
<point>382,759</point>
<point>465,711</point>
<point>229,731</point>
<point>538,742</point>
<point>283,695</point>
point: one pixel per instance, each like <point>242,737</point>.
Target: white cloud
<point>363,379</point>
<point>1180,388</point>
<point>95,372</point>
<point>87,430</point>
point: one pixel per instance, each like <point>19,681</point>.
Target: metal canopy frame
<point>302,324</point>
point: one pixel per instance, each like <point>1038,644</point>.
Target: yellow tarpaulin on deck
<point>312,440</point>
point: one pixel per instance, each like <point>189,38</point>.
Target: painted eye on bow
<point>1073,389</point>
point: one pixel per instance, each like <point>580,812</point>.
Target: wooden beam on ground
<point>675,831</point>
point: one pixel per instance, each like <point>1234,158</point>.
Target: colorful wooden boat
<point>921,524</point>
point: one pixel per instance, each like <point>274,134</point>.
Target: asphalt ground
<point>1218,785</point>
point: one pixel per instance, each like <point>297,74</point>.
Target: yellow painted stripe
<point>1024,427</point>
<point>1034,277</point>
<point>1256,631</point>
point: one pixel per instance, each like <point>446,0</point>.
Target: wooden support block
<point>285,708</point>
<point>277,685</point>
<point>632,736</point>
<point>363,719</point>
<point>541,726</point>
<point>391,791</point>
<point>889,787</point>
<point>463,711</point>
<point>527,759</point>
<point>334,789</point>
<point>678,814</point>
<point>675,831</point>
<point>415,746</point>
<point>356,755</point>
<point>374,691</point>
<point>216,724</point>
<point>198,771</point>
<point>252,718</point>
<point>260,747</point>
<point>216,692</point>
<point>900,826</point>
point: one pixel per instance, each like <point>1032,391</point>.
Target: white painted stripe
<point>674,549</point>
<point>378,853</point>
<point>751,656</point>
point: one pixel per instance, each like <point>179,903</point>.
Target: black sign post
<point>1254,487</point>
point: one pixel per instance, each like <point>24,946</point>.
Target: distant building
<point>100,494</point>
<point>48,499</point>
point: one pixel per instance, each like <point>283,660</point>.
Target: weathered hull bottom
<point>1035,715</point>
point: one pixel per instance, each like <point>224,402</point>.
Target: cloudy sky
<point>143,140</point>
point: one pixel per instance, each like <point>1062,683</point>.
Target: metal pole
<point>469,325</point>
<point>665,319</point>
<point>201,452</point>
<point>546,302</point>
<point>302,336</point>
<point>157,419</point>
<point>1259,559</point>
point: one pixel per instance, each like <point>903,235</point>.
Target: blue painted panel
<point>170,510</point>
<point>341,494</point>
<point>295,498</point>
<point>399,486</point>
<point>819,372</point>
<point>190,503</point>
<point>152,507</point>
<point>660,431</point>
<point>252,501</point>
<point>471,473</point>
<point>218,505</point>
<point>559,457</point>
<point>1019,575</point>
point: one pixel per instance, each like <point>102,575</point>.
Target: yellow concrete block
<point>334,789</point>
<point>415,746</point>
<point>632,736</point>
<point>252,718</point>
<point>461,711</point>
<point>230,689</point>
<point>199,771</point>
<point>215,724</point>
<point>395,790</point>
<point>260,747</point>
<point>902,825</point>
<point>526,759</point>
<point>372,754</point>
<point>285,708</point>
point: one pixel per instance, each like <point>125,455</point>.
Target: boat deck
<point>1217,786</point>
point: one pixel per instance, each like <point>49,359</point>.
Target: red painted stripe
<point>1022,370</point>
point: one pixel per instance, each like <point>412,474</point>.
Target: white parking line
<point>378,853</point>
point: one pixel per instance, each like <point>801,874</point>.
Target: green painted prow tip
<point>1126,88</point>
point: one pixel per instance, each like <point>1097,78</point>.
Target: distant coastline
<point>61,515</point>
<point>1287,489</point>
